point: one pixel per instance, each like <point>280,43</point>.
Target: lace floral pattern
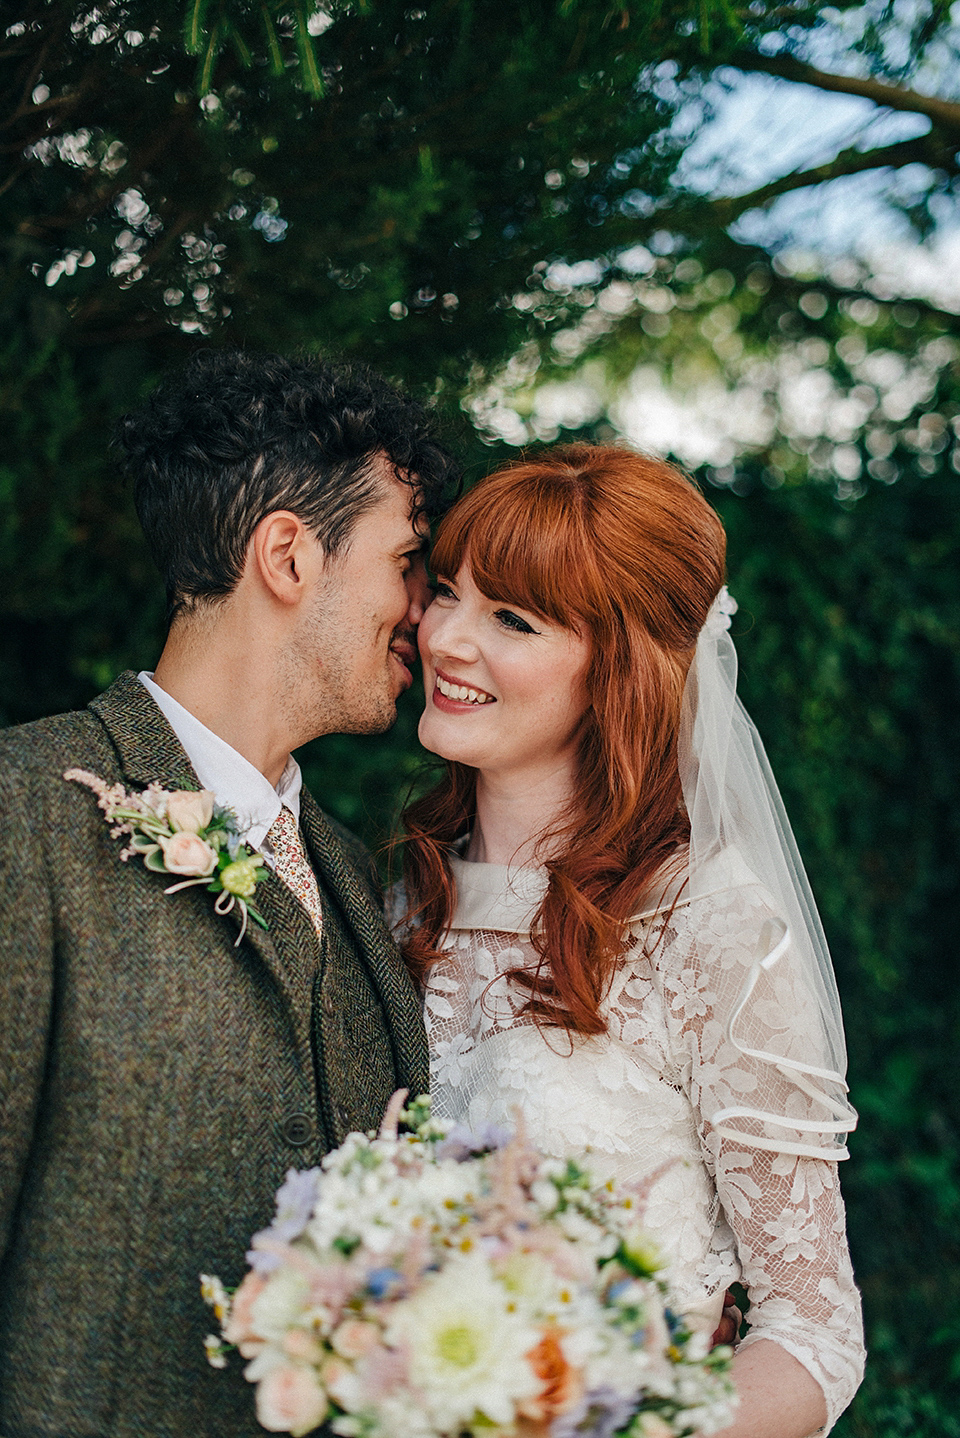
<point>641,1099</point>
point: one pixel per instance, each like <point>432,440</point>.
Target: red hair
<point>625,548</point>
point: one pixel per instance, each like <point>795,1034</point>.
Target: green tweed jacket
<point>156,1082</point>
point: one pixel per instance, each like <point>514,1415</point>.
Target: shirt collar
<point>235,782</point>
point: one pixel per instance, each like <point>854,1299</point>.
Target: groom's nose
<point>418,589</point>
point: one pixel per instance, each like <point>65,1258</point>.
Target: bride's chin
<point>433,739</point>
<point>428,739</point>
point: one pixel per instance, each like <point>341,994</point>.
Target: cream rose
<point>643,1250</point>
<point>651,1425</point>
<point>188,855</point>
<point>291,1400</point>
<point>189,810</point>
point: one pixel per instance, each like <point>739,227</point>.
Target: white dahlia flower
<point>466,1348</point>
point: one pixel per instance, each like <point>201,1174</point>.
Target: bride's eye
<point>442,590</point>
<point>513,621</point>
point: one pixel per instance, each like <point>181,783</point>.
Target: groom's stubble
<point>318,692</point>
<point>351,653</point>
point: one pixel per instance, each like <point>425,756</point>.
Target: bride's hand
<point>728,1329</point>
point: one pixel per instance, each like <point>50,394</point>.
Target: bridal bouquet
<point>436,1283</point>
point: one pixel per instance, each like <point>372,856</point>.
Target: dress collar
<point>495,896</point>
<point>505,898</point>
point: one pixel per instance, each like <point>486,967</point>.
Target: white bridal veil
<point>782,1014</point>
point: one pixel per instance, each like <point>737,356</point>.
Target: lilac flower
<point>295,1200</point>
<point>599,1414</point>
<point>259,1259</point>
<point>462,1143</point>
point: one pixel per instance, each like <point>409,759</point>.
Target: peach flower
<point>562,1385</point>
<point>291,1400</point>
<point>334,1372</point>
<point>239,1328</point>
<point>341,1381</point>
<point>189,855</point>
<point>190,810</point>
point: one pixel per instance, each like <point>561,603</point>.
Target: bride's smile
<point>505,687</point>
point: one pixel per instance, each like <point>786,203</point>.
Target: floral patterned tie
<point>293,866</point>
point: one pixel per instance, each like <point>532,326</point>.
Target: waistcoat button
<point>297,1129</point>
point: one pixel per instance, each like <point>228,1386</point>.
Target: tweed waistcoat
<point>156,1082</point>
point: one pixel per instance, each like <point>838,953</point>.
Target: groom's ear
<point>285,556</point>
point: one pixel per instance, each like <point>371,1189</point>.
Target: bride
<point>613,928</point>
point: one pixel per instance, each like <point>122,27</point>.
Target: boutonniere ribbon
<point>184,833</point>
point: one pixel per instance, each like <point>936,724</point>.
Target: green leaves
<point>210,24</point>
<point>195,28</point>
<point>310,77</point>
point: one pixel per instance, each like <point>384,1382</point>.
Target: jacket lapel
<point>289,949</point>
<point>377,949</point>
<point>150,752</point>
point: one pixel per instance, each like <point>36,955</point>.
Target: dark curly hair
<point>235,435</point>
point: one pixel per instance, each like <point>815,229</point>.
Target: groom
<point>158,1077</point>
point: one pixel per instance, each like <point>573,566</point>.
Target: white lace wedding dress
<point>643,1094</point>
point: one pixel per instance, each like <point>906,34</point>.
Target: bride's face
<point>505,689</point>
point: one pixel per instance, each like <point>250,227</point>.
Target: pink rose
<point>291,1400</point>
<point>354,1339</point>
<point>189,810</point>
<point>297,1343</point>
<point>188,855</point>
<point>384,1370</point>
<point>239,1328</point>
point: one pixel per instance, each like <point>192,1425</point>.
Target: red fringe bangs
<point>523,543</point>
<point>627,547</point>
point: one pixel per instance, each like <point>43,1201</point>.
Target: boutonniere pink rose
<point>188,854</point>
<point>185,833</point>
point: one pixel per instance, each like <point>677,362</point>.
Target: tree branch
<point>944,113</point>
<point>925,150</point>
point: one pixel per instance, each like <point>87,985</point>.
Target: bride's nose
<point>451,636</point>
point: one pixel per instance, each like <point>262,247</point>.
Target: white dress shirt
<point>234,781</point>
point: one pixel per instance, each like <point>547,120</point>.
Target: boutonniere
<point>183,832</point>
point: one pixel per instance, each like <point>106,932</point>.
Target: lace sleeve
<point>785,1210</point>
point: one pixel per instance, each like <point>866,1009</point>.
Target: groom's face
<point>358,641</point>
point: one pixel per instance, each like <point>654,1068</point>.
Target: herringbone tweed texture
<point>147,1067</point>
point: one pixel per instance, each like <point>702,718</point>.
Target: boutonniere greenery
<point>185,833</point>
